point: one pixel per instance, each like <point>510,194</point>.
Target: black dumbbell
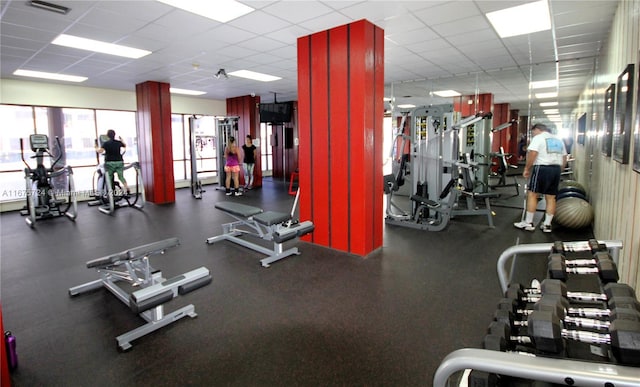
<point>559,267</point>
<point>557,287</point>
<point>591,245</point>
<point>621,308</point>
<point>547,333</point>
<point>499,338</point>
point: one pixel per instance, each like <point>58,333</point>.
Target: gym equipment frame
<point>276,227</point>
<point>504,275</point>
<point>551,370</point>
<point>439,175</point>
<point>133,267</point>
<point>42,201</point>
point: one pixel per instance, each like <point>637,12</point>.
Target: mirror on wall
<point>609,99</point>
<point>636,141</point>
<point>622,128</point>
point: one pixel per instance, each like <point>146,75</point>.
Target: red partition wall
<point>246,107</point>
<point>512,144</point>
<point>501,115</point>
<point>4,362</point>
<point>469,105</point>
<point>154,141</point>
<point>340,111</point>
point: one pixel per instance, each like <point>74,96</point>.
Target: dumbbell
<point>558,267</point>
<point>547,334</point>
<point>591,245</point>
<point>620,308</point>
<point>557,287</point>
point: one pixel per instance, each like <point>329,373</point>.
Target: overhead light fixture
<point>551,111</point>
<point>98,46</point>
<point>509,21</point>
<point>447,93</point>
<point>254,75</point>
<point>49,6</point>
<point>406,106</point>
<point>54,76</point>
<point>547,95</point>
<point>548,104</point>
<point>220,10</point>
<point>221,73</point>
<point>544,84</point>
<point>174,90</point>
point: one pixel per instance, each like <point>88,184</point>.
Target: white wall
<point>613,188</point>
<point>18,92</point>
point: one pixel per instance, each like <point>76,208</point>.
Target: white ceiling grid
<point>429,45</point>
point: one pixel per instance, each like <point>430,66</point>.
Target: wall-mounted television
<point>275,112</point>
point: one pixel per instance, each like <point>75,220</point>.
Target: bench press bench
<point>132,266</point>
<point>267,225</point>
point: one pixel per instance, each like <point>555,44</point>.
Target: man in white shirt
<point>546,158</point>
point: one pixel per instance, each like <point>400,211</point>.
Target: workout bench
<point>269,225</point>
<point>132,266</point>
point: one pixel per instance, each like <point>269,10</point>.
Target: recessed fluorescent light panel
<point>546,95</point>
<point>548,104</point>
<point>447,93</point>
<point>173,90</point>
<point>219,10</point>
<point>54,76</point>
<point>543,84</point>
<point>49,6</point>
<point>406,106</point>
<point>551,111</point>
<point>521,20</point>
<point>98,46</point>
<point>254,75</point>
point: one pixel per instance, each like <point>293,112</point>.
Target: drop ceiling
<point>429,46</point>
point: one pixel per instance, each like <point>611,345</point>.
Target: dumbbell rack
<point>556,370</point>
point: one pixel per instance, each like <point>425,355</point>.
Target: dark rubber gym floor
<point>322,318</point>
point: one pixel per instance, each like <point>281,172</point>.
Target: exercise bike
<point>41,193</point>
<point>109,194</point>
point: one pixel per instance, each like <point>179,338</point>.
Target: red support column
<point>340,111</point>
<point>246,107</point>
<point>154,141</point>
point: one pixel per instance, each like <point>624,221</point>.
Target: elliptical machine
<point>42,195</point>
<point>109,194</point>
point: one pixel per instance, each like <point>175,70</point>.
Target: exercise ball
<point>570,194</point>
<point>573,213</point>
<point>571,184</point>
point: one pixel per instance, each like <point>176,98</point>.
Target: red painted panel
<point>320,138</point>
<point>4,362</point>
<point>361,66</point>
<point>378,186</point>
<point>304,131</point>
<point>339,132</point>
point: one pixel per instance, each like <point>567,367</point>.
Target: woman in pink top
<point>232,167</point>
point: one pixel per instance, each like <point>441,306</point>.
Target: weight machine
<point>41,193</point>
<point>225,127</point>
<point>199,142</point>
<point>109,194</point>
<point>437,174</point>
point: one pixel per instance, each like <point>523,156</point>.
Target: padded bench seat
<point>269,218</point>
<point>133,253</point>
<point>238,209</point>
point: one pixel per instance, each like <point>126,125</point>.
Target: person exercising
<point>113,162</point>
<point>232,167</point>
<point>546,158</point>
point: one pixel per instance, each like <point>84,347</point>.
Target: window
<point>266,130</point>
